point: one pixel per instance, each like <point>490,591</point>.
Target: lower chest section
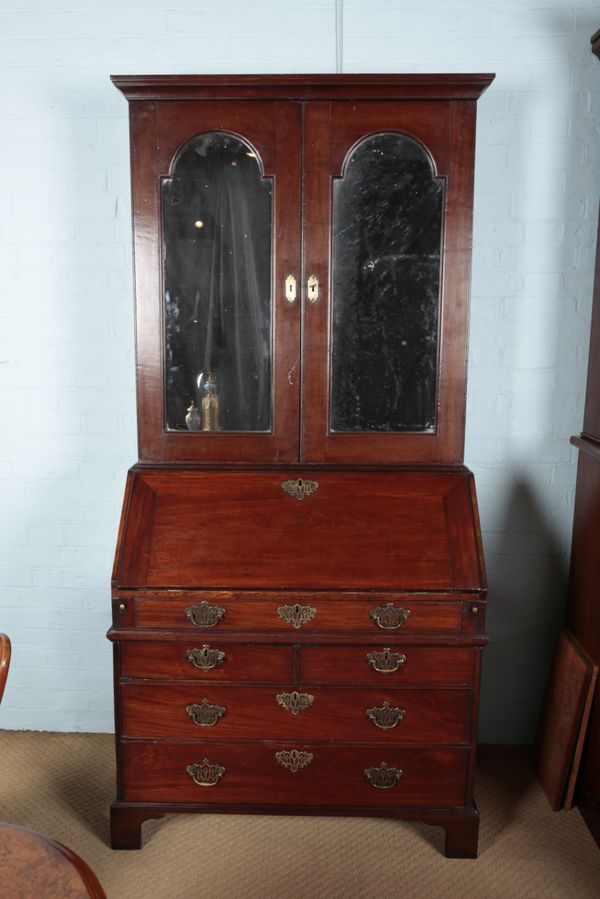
<point>319,654</point>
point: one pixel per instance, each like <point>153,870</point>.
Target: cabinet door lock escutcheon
<point>312,289</point>
<point>290,289</point>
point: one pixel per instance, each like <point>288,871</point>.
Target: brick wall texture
<point>66,336</point>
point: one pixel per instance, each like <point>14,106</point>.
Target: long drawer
<point>391,664</point>
<point>289,612</point>
<point>291,712</point>
<point>287,773</point>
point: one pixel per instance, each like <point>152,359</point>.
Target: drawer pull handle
<point>205,773</point>
<point>295,702</point>
<point>299,487</point>
<point>383,777</point>
<point>205,658</point>
<point>294,759</point>
<point>385,716</point>
<point>205,615</point>
<point>204,714</point>
<point>386,661</point>
<point>296,615</point>
<point>388,617</point>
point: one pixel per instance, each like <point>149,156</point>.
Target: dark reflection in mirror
<point>217,288</point>
<point>387,229</point>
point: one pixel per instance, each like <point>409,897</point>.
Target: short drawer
<point>290,612</point>
<point>206,661</point>
<point>389,664</point>
<point>290,773</point>
<point>218,712</point>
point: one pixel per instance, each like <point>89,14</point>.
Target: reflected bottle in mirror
<point>193,419</point>
<point>208,392</point>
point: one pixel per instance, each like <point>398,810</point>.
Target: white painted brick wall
<point>66,340</point>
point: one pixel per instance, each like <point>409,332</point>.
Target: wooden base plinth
<point>461,826</point>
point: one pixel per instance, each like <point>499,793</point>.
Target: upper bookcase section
<point>302,257</point>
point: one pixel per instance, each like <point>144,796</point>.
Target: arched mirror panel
<point>386,277</point>
<point>217,262</point>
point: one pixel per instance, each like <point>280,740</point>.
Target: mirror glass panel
<point>217,259</point>
<point>386,273</point>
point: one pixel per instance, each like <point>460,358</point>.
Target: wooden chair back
<point>4,661</point>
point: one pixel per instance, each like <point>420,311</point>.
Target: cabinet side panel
<point>591,421</point>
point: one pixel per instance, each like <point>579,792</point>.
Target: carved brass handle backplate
<point>295,702</point>
<point>383,777</point>
<point>205,658</point>
<point>205,615</point>
<point>296,615</point>
<point>385,716</point>
<point>386,661</point>
<point>294,759</point>
<point>299,487</point>
<point>204,714</point>
<point>388,617</point>
<point>205,773</point>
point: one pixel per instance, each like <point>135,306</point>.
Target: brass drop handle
<point>205,615</point>
<point>383,776</point>
<point>312,289</point>
<point>205,658</point>
<point>385,716</point>
<point>204,714</point>
<point>386,661</point>
<point>205,773</point>
<point>290,289</point>
<point>388,617</point>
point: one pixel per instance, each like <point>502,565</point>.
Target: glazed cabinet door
<point>216,193</point>
<point>387,223</point>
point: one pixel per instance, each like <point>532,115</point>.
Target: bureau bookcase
<point>298,590</point>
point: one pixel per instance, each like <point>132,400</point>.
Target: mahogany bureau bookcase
<point>298,589</point>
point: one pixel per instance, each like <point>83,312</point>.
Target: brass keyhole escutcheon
<point>205,658</point>
<point>312,289</point>
<point>290,289</point>
<point>299,487</point>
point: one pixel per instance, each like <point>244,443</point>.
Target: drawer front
<point>206,661</point>
<point>279,713</point>
<point>294,612</point>
<point>389,665</point>
<point>294,774</point>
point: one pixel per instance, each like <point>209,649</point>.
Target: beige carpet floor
<point>62,785</point>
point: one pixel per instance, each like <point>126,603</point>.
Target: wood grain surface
<point>33,866</point>
<point>564,717</point>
